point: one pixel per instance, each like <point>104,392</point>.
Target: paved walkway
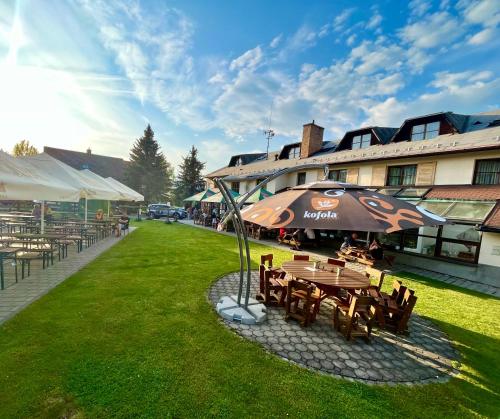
<point>18,295</point>
<point>398,267</point>
<point>425,356</point>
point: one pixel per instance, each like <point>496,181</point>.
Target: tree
<point>24,148</point>
<point>149,172</point>
<point>189,179</point>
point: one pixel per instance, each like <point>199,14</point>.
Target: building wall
<point>490,250</point>
<point>452,169</point>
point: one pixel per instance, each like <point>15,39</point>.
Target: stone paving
<point>425,356</point>
<point>17,296</point>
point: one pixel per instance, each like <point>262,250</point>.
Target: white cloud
<point>374,21</point>
<point>351,40</point>
<point>460,92</point>
<point>419,7</point>
<point>483,36</point>
<point>249,60</point>
<point>276,41</point>
<point>484,12</point>
<point>433,30</point>
<point>342,18</point>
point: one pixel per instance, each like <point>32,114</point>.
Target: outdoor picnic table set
<point>22,242</point>
<point>301,285</point>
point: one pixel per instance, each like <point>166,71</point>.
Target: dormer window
<point>425,131</point>
<point>361,141</point>
<point>294,152</point>
<point>238,162</point>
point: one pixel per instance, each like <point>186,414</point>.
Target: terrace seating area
<point>24,247</point>
<point>334,316</point>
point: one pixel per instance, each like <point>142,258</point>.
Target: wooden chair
<point>301,257</point>
<point>378,276</point>
<point>267,259</point>
<point>272,286</point>
<point>348,318</point>
<point>336,262</point>
<point>397,317</point>
<point>301,303</point>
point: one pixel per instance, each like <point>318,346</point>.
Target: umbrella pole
<point>229,307</point>
<point>232,203</point>
<point>42,217</point>
<point>108,207</point>
<point>85,210</point>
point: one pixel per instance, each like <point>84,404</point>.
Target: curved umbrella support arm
<point>241,235</point>
<point>269,179</point>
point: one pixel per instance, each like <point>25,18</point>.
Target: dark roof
<point>245,158</point>
<point>104,166</point>
<point>286,148</point>
<point>382,134</point>
<point>458,123</point>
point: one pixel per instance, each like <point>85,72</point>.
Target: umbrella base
<point>229,309</point>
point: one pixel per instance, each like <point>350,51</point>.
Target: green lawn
<point>133,335</point>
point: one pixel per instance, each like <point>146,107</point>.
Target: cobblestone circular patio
<point>425,356</point>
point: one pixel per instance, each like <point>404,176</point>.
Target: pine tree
<point>24,148</point>
<point>149,171</point>
<point>189,179</point>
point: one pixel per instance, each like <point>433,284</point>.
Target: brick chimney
<point>312,139</point>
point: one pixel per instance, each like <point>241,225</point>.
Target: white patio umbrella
<point>134,196</point>
<point>22,181</point>
<point>90,185</point>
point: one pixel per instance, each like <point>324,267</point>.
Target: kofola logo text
<point>320,215</point>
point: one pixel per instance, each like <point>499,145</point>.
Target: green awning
<point>200,196</point>
<point>257,196</point>
<point>218,198</point>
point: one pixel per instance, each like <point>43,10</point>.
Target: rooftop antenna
<point>269,133</point>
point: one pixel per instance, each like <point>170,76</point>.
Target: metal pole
<point>42,217</point>
<point>237,229</point>
<point>232,203</point>
<point>282,172</point>
<point>85,210</point>
<point>109,202</point>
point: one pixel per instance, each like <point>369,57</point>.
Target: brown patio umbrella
<point>338,206</point>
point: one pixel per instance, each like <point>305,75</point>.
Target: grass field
<point>133,335</point>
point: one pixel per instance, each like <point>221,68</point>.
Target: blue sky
<point>80,73</point>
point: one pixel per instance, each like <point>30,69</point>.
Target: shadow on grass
<point>434,283</point>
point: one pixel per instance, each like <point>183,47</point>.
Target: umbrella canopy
<point>257,196</point>
<point>200,196</point>
<point>111,193</point>
<point>218,198</point>
<point>338,206</point>
<point>22,181</point>
<point>133,195</point>
<point>88,187</point>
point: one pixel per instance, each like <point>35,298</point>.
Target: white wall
<point>365,175</point>
<point>454,171</point>
<point>490,250</point>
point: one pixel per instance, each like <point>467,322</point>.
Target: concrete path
<point>398,267</point>
<point>18,295</point>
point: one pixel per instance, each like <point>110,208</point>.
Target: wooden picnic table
<point>324,279</point>
<point>15,215</point>
<point>356,254</point>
